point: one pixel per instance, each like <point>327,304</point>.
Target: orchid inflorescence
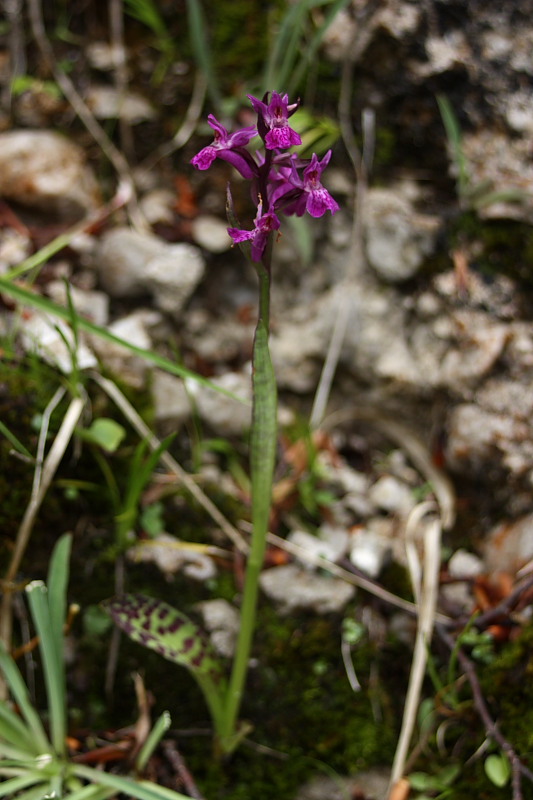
<point>281,181</point>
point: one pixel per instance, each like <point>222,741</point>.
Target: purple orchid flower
<point>229,147</point>
<point>295,194</point>
<point>264,224</point>
<point>319,199</point>
<point>273,121</point>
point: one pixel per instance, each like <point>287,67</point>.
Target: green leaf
<point>105,433</point>
<point>8,788</point>
<point>160,627</point>
<point>21,696</point>
<point>15,732</point>
<point>142,790</point>
<point>156,734</point>
<point>52,658</point>
<point>152,520</point>
<point>95,621</point>
<point>423,782</point>
<point>57,581</point>
<point>498,769</point>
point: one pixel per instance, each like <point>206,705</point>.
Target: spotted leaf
<point>166,630</point>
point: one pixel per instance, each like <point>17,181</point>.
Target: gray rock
<point>330,542</point>
<point>225,415</point>
<point>157,206</point>
<point>14,248</point>
<point>106,102</point>
<point>463,565</point>
<point>46,335</point>
<point>398,239</point>
<point>293,588</point>
<point>130,264</point>
<point>172,404</point>
<point>478,436</point>
<point>392,495</point>
<point>222,620</point>
<point>44,170</point>
<point>370,549</point>
<point>211,233</point>
<point>134,329</point>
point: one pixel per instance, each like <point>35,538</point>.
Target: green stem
<point>262,460</point>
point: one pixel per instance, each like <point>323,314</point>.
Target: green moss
<point>507,686</point>
<point>304,711</point>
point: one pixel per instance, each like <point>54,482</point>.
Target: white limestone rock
<point>45,170</point>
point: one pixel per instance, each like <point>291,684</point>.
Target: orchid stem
<point>262,460</point>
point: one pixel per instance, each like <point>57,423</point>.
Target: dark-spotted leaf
<point>159,626</point>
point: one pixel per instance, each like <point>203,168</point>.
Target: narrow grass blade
<point>57,582</point>
<point>158,731</point>
<point>42,792</point>
<point>14,731</point>
<point>141,790</point>
<point>201,48</point>
<point>453,133</point>
<point>91,792</point>
<point>8,788</point>
<point>43,304</point>
<point>53,667</point>
<point>17,444</point>
<point>12,752</point>
<point>22,698</point>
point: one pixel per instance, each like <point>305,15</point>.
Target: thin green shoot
<point>53,665</point>
<point>17,444</point>
<point>453,133</point>
<point>202,50</point>
<point>152,740</point>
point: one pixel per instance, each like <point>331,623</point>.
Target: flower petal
<point>204,158</point>
<point>319,201</point>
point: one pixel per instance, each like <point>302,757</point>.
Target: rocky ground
<point>422,279</point>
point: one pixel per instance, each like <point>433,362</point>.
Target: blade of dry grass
<point>426,581</point>
<point>45,470</point>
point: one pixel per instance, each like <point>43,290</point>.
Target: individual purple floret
<point>274,120</point>
<point>317,199</point>
<point>264,224</point>
<point>229,147</point>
